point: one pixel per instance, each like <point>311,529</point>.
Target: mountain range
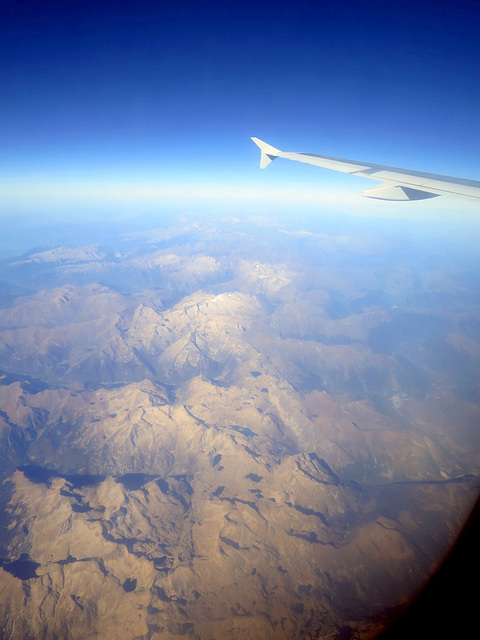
<point>232,429</point>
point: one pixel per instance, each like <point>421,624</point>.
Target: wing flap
<point>397,192</point>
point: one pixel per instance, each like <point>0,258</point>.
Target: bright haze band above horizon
<point>106,105</point>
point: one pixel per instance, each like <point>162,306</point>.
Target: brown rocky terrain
<point>238,442</point>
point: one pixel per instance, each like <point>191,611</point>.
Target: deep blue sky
<point>152,96</point>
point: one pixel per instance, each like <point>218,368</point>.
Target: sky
<point>124,105</point>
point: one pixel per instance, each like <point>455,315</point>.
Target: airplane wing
<point>397,184</point>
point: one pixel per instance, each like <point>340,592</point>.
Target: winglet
<point>268,153</point>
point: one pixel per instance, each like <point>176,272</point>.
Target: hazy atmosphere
<point>234,403</point>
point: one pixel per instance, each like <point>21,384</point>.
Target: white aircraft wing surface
<point>397,184</point>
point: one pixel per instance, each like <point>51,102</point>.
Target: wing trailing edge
<point>397,184</point>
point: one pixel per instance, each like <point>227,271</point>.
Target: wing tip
<point>267,152</point>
